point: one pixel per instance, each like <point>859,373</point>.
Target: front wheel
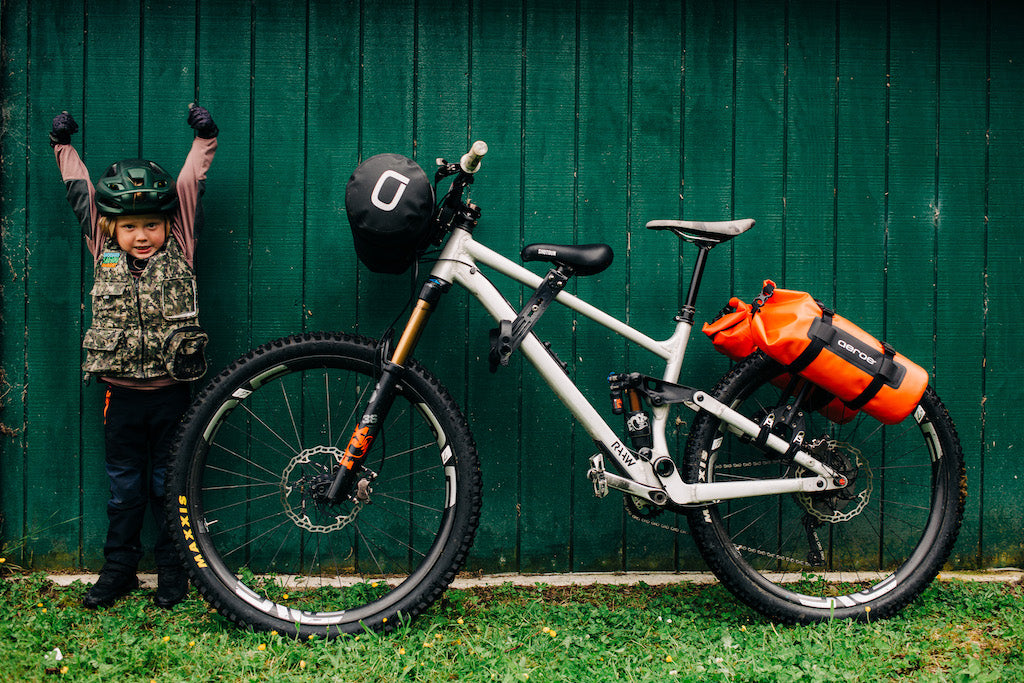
<point>861,552</point>
<point>254,458</point>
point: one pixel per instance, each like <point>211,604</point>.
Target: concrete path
<point>1005,575</point>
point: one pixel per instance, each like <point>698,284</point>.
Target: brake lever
<point>444,170</point>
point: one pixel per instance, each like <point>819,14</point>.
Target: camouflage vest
<point>145,327</point>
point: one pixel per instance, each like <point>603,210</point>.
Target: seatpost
<point>689,309</point>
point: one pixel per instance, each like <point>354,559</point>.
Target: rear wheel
<point>255,456</point>
<point>860,552</point>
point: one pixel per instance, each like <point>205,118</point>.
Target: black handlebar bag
<point>389,202</point>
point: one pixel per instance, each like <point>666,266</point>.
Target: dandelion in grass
<point>401,650</point>
<point>302,664</point>
<point>261,647</point>
<point>166,639</point>
<point>668,659</point>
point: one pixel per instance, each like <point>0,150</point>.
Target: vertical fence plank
<point>861,153</point>
<point>708,154</point>
<point>602,208</point>
<point>652,259</point>
<point>54,282</point>
<point>547,214</point>
<point>279,179</point>
<point>810,149</point>
<point>760,190</point>
<point>14,222</point>
<point>1001,500</point>
<point>332,153</point>
<point>960,248</point>
<point>910,262</point>
<point>223,85</point>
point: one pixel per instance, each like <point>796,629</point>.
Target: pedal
<point>596,474</point>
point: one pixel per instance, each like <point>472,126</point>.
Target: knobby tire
<point>882,539</point>
<point>253,457</point>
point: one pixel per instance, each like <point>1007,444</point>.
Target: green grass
<point>954,632</point>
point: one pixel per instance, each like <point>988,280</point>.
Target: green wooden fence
<point>876,143</point>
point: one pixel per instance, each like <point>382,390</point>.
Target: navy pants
<point>138,428</point>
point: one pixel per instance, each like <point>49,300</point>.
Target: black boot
<point>171,588</point>
<point>109,588</point>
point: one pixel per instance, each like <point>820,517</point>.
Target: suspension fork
<point>383,395</point>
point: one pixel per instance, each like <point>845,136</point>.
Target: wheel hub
<point>838,505</point>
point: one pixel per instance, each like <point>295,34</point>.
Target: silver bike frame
<point>459,264</point>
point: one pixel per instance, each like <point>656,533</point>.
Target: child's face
<point>142,235</point>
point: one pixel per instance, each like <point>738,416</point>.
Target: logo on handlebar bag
<point>375,197</point>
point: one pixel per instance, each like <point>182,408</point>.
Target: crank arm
<point>655,495</point>
<point>604,480</point>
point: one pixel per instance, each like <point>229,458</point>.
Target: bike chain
<point>677,530</point>
<point>648,520</point>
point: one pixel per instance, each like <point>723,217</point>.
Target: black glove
<point>201,121</point>
<point>63,127</point>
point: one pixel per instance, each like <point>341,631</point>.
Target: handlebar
<point>470,162</point>
<point>452,212</point>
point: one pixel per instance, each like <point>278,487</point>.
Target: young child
<point>145,343</point>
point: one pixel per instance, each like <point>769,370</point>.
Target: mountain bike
<point>328,483</point>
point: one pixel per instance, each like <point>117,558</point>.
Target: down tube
<point>499,309</point>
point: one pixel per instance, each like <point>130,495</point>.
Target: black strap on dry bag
<point>886,373</point>
<point>823,334</point>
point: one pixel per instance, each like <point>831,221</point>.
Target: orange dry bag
<point>730,330</point>
<point>833,353</point>
<point>731,335</point>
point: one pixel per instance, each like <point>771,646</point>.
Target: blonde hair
<point>108,224</point>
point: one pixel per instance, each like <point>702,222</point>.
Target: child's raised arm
<point>191,180</point>
<point>75,175</point>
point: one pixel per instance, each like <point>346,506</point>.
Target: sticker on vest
<point>110,259</point>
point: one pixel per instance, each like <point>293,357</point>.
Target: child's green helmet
<point>135,186</point>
